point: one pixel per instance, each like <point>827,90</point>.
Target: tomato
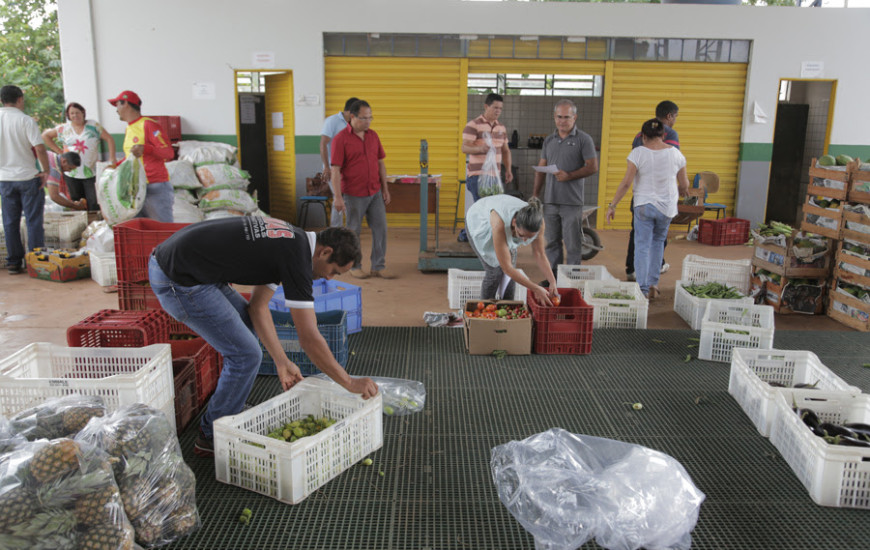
<point>557,300</point>
<point>490,307</point>
<point>480,305</point>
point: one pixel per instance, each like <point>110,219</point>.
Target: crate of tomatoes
<point>498,327</point>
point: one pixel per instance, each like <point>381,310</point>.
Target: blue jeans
<point>220,315</point>
<point>471,183</point>
<point>19,197</point>
<point>650,234</point>
<point>158,202</point>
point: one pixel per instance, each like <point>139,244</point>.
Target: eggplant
<point>809,418</point>
<point>847,441</point>
<point>858,426</point>
<point>777,384</point>
<point>805,386</point>
<point>835,430</point>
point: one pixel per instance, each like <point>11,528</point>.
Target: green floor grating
<point>437,492</point>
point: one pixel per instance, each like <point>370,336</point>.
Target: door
<point>253,147</point>
<point>786,163</point>
<point>280,146</point>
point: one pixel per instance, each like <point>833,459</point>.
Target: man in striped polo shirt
<point>476,148</point>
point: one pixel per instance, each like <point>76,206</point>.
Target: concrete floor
<point>32,310</point>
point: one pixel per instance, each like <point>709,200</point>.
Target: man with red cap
<point>146,140</point>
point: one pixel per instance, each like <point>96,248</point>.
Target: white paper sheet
<point>549,169</point>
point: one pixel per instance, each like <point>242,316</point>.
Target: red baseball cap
<point>128,96</point>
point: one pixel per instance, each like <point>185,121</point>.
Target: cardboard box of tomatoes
<point>498,327</point>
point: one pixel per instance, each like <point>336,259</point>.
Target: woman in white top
<point>80,135</point>
<point>658,172</point>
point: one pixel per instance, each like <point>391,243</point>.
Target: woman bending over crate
<point>497,226</point>
<point>658,172</point>
<point>191,272</point>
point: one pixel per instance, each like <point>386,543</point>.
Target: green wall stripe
<point>855,151</point>
<point>756,151</point>
<point>308,145</point>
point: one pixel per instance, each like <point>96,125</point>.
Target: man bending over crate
<point>190,274</point>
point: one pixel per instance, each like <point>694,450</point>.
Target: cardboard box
<point>484,336</point>
<point>58,265</point>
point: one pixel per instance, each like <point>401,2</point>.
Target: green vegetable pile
<point>713,290</point>
<point>763,273</point>
<point>613,296</point>
<point>774,228</point>
<point>855,290</point>
<point>822,202</point>
<point>297,429</point>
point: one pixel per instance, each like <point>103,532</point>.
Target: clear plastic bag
<point>157,488</point>
<point>566,489</point>
<point>61,494</point>
<point>9,438</point>
<point>401,397</point>
<point>489,182</point>
<point>58,417</point>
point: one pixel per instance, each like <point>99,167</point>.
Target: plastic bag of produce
<point>221,176</point>
<point>100,238</point>
<point>206,152</point>
<point>489,182</point>
<point>9,439</point>
<point>401,397</point>
<point>157,488</point>
<point>566,489</point>
<point>182,175</point>
<point>121,191</point>
<point>61,494</point>
<point>185,195</point>
<point>185,212</point>
<point>58,417</point>
<point>227,199</point>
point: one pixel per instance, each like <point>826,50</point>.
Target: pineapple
<point>76,418</point>
<point>106,537</point>
<point>101,506</point>
<point>134,493</point>
<point>55,460</point>
<point>17,505</point>
<point>131,436</point>
<point>182,522</point>
<point>149,533</point>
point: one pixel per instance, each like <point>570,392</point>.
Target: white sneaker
<point>665,268</point>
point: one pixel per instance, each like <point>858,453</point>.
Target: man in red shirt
<point>146,139</point>
<point>359,185</point>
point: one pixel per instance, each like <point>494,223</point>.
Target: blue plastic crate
<point>333,327</point>
<point>330,296</point>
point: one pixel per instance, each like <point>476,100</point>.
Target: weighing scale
<point>455,255</point>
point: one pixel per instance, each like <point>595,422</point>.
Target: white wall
<point>160,48</point>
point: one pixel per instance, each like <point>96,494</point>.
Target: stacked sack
<point>221,186</point>
<point>73,476</point>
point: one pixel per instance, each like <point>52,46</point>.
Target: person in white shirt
<point>658,172</point>
<point>21,182</point>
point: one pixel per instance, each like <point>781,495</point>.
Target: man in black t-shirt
<point>190,274</point>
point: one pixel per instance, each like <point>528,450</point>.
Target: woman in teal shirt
<point>497,226</point>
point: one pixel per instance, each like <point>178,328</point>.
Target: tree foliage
<point>30,57</point>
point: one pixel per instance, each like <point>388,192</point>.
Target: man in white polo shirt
<point>21,182</point>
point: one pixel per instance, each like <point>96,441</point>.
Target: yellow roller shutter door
<point>411,99</point>
<point>710,97</point>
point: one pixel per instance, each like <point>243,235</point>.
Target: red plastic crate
<point>726,231</point>
<point>208,364</point>
<point>565,330</point>
<point>139,297</point>
<point>134,241</point>
<point>186,401</point>
<point>110,328</point>
<point>170,124</point>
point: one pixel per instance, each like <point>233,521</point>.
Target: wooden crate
<point>860,320</point>
<point>838,185</point>
<point>837,173</point>
<point>851,234</point>
<point>859,186</point>
<point>834,214</point>
<point>782,261</point>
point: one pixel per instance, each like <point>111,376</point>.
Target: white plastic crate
<point>736,273</point>
<point>121,376</point>
<point>727,325</point>
<point>611,313</point>
<point>103,268</point>
<point>463,286</point>
<point>575,276</point>
<point>64,227</point>
<point>289,472</point>
<point>834,475</point>
<point>691,308</point>
<point>753,371</point>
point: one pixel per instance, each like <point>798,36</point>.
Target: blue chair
<point>710,181</point>
<point>305,202</point>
